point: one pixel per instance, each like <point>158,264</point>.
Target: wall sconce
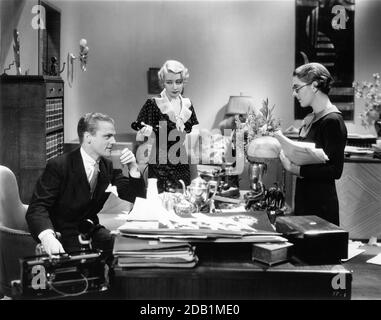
<point>82,57</point>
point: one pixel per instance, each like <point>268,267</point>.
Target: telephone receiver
<point>86,229</point>
<point>139,125</point>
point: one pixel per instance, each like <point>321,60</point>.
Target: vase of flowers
<point>257,131</point>
<point>370,93</point>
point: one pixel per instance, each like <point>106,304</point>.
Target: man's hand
<point>128,158</point>
<point>288,165</point>
<point>51,244</point>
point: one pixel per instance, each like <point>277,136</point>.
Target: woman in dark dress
<point>315,192</point>
<point>167,119</point>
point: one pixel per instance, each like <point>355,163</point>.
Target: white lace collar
<point>165,107</point>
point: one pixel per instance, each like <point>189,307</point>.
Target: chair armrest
<point>14,231</point>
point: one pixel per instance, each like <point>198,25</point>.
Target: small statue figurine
<point>54,67</point>
<point>271,199</point>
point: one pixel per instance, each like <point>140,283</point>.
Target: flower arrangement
<point>369,91</point>
<point>258,122</point>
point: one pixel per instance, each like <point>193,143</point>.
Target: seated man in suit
<point>72,188</point>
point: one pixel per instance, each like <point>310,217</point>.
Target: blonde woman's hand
<point>146,130</point>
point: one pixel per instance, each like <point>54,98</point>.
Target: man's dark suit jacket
<point>62,198</point>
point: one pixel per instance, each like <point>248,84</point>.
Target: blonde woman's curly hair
<point>173,66</point>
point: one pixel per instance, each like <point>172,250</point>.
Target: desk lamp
<point>240,106</point>
<point>263,154</point>
<point>237,105</point>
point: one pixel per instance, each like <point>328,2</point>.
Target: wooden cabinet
<point>359,196</point>
<point>31,126</point>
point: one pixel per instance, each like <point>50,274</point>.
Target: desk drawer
<point>54,89</point>
<point>245,281</point>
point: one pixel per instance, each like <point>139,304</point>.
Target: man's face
<point>101,143</point>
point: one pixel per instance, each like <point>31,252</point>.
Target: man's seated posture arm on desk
<point>73,188</point>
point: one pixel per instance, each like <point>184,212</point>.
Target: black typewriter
<point>62,276</point>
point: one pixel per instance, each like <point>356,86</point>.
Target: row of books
<point>133,252</point>
<point>54,144</point>
<point>54,113</point>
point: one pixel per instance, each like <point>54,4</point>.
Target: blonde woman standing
<point>173,114</point>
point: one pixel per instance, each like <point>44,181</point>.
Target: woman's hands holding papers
<point>288,165</point>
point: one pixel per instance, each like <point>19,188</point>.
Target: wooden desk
<point>223,279</point>
<point>233,280</point>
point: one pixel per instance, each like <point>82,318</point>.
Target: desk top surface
<point>112,222</point>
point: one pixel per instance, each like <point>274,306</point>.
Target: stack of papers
<point>358,150</point>
<point>301,153</point>
<point>158,223</point>
<point>133,252</point>
<point>352,135</point>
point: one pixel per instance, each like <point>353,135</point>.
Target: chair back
<point>15,240</point>
<point>12,210</point>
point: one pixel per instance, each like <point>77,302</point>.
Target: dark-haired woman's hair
<point>314,71</point>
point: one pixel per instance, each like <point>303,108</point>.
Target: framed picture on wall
<point>153,81</point>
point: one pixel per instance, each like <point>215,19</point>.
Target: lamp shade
<point>240,105</point>
<point>265,147</point>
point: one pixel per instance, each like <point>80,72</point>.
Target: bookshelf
<point>31,126</point>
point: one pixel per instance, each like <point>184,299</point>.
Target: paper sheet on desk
<point>353,250</point>
<point>146,212</point>
<point>375,260</point>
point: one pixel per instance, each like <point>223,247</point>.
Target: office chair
<point>15,240</point>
